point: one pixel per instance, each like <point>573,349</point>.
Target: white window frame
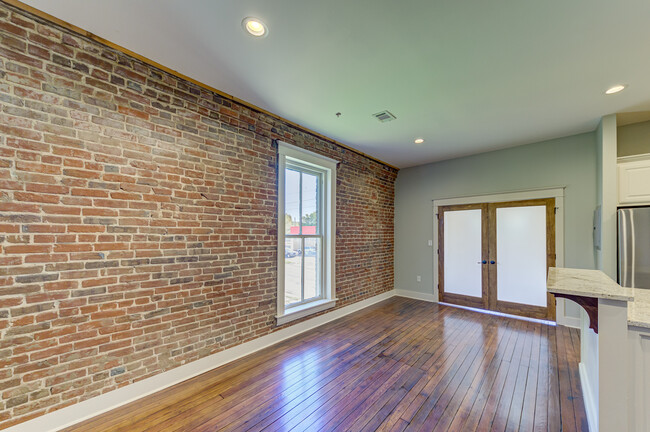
<point>299,156</point>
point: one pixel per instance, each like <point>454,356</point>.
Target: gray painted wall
<point>569,162</point>
<point>633,139</point>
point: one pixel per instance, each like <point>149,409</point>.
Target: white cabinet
<point>639,379</point>
<point>634,180</point>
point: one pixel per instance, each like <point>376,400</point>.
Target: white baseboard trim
<point>568,321</point>
<point>561,318</point>
<point>415,295</point>
<point>76,413</point>
<point>591,407</point>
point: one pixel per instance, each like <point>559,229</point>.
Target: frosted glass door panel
<point>462,249</point>
<point>521,255</point>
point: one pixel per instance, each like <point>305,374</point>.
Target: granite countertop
<point>586,283</point>
<point>595,283</point>
<point>638,311</point>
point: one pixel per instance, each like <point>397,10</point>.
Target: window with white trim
<point>306,228</point>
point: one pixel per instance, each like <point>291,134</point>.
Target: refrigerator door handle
<point>625,248</point>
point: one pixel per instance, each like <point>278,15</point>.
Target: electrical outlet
<point>419,278</point>
<point>430,242</point>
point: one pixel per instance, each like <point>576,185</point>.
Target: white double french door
<point>496,256</point>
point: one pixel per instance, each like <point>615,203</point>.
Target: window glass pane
<point>521,255</point>
<point>291,202</point>
<point>312,256</point>
<point>310,204</point>
<point>462,263</point>
<point>292,270</point>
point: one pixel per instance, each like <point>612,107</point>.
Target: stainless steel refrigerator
<point>634,247</point>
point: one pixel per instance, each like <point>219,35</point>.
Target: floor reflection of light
<point>301,373</point>
<point>298,370</point>
<point>470,327</point>
<point>501,314</point>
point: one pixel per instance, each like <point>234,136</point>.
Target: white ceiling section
<point>467,76</point>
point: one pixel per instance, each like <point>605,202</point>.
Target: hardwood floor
<point>401,365</point>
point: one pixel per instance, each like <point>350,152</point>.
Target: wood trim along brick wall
<point>39,13</point>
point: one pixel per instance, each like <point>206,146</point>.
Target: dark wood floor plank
<point>235,406</point>
<point>395,420</point>
<point>367,403</point>
<point>517,402</point>
<point>303,389</point>
<point>566,406</point>
<point>527,420</point>
<point>516,374</point>
<point>426,338</point>
<point>541,398</point>
<point>503,378</point>
<point>258,386</point>
<point>554,415</point>
<point>311,382</point>
<point>285,390</point>
<point>300,397</point>
<point>263,419</point>
<point>473,404</point>
<point>339,387</point>
<point>358,400</point>
<point>572,346</point>
<point>399,365</point>
<point>451,377</point>
<point>384,409</point>
<point>463,397</point>
<point>445,367</point>
<point>459,386</point>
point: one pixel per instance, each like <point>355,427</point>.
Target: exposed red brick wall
<point>138,219</point>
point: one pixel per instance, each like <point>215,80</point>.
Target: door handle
<point>491,262</point>
<point>482,262</point>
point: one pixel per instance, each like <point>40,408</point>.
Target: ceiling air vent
<point>384,116</point>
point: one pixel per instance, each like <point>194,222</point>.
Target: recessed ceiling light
<point>616,89</point>
<point>419,140</point>
<point>254,27</point>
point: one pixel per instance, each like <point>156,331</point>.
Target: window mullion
<point>302,242</point>
<point>302,270</point>
<point>319,204</point>
<point>322,208</point>
<point>300,204</point>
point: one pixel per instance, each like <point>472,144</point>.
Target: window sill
<point>305,310</point>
